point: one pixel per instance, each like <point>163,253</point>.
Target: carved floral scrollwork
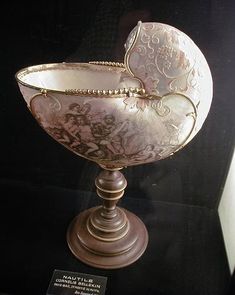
<point>161,109</point>
<point>161,59</point>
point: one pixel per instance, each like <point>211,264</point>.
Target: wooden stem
<point>108,236</point>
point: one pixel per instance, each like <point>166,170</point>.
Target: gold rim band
<point>87,92</point>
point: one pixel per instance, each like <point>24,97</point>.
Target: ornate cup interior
<point>66,77</point>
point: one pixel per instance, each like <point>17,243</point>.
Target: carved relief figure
<point>85,133</point>
<point>112,140</point>
<point>101,135</point>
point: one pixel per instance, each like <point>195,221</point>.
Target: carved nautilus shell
<point>126,114</point>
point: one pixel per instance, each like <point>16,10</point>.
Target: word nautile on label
<point>74,283</point>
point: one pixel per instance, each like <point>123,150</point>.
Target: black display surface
<point>43,185</point>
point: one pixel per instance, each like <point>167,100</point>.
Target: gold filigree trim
<point>107,92</point>
<point>108,63</point>
<point>194,116</point>
<point>127,55</point>
<point>30,106</point>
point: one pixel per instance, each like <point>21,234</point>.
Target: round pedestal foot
<point>110,254</point>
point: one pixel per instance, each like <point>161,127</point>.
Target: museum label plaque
<point>74,283</point>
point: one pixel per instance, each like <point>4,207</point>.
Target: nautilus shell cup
<point>126,114</point>
<point>117,115</point>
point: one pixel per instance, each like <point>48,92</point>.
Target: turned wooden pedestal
<point>108,236</point>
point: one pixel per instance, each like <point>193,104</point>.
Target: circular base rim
<point>77,231</point>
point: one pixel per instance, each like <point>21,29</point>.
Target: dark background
<point>55,183</point>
